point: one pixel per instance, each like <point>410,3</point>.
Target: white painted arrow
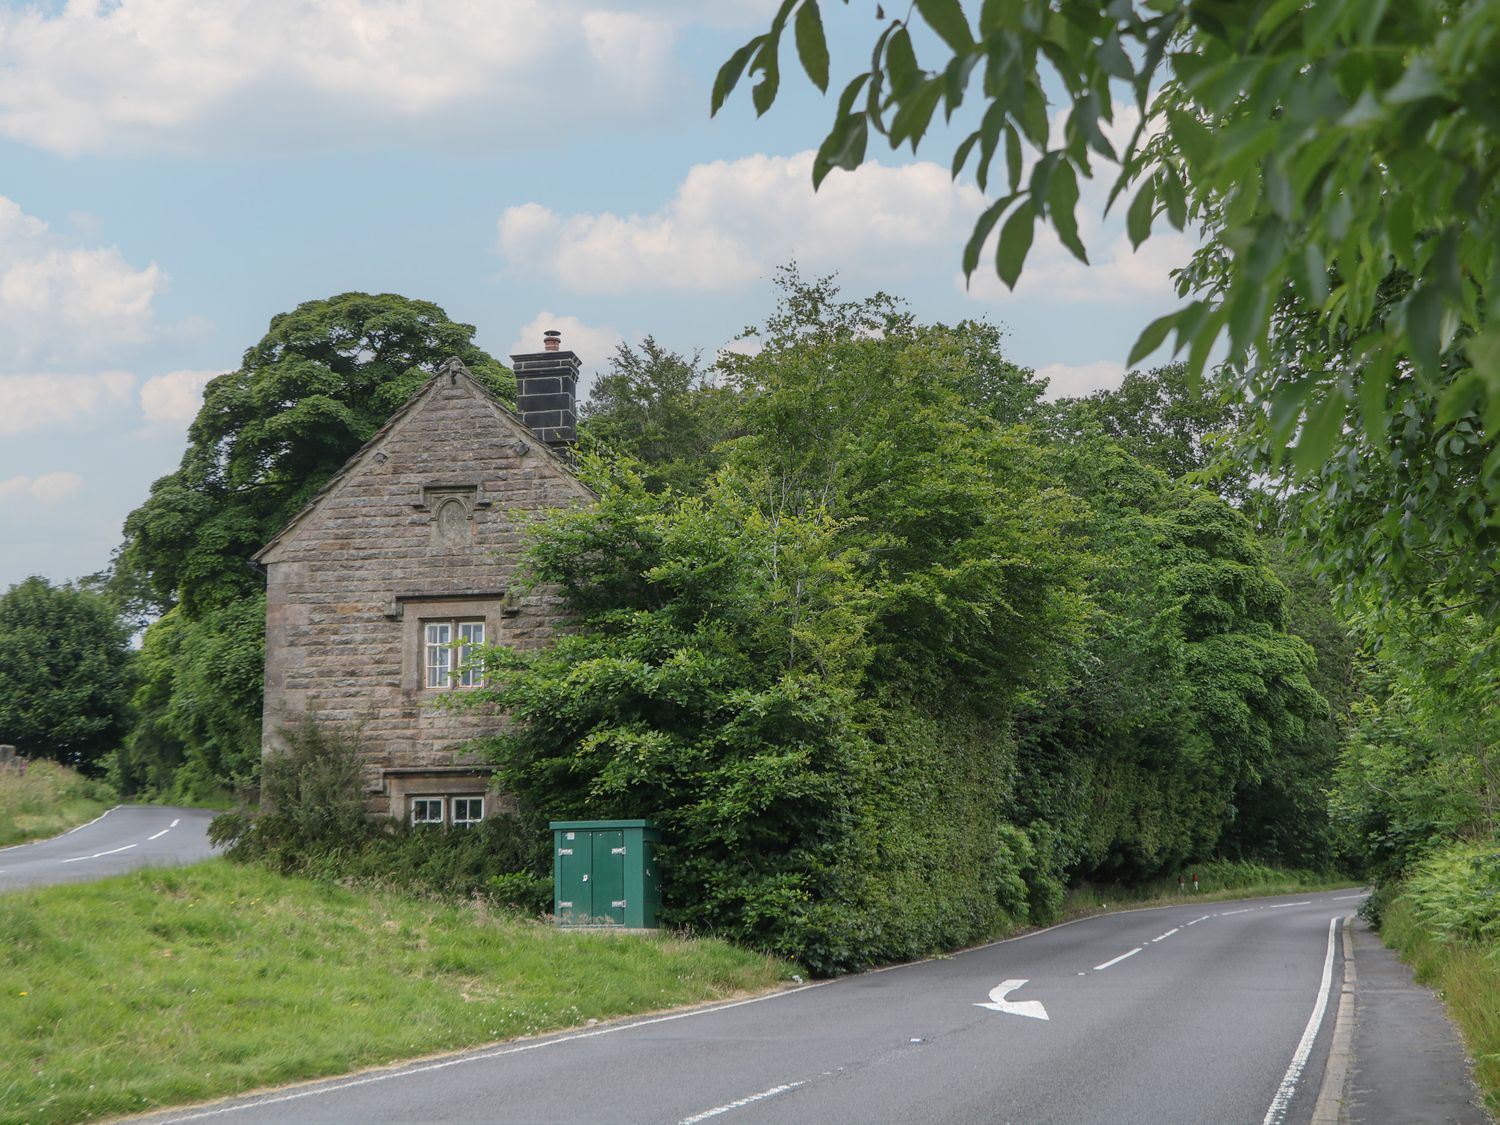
<point>998,1003</point>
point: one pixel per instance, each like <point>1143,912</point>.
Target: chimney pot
<point>551,340</point>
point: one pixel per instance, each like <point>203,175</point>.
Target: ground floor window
<point>453,812</point>
<point>467,811</point>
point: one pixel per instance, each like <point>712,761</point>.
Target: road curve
<point>123,839</point>
<point>1193,1013</point>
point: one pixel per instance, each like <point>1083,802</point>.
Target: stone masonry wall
<point>423,524</point>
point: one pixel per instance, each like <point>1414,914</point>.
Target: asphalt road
<point>1190,1014</point>
<point>123,839</point>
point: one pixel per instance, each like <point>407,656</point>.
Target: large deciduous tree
<point>65,673</point>
<point>314,389</point>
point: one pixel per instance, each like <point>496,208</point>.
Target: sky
<point>174,173</point>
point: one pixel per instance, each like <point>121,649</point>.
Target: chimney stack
<point>547,392</point>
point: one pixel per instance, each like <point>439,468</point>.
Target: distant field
<point>47,799</point>
<point>166,987</point>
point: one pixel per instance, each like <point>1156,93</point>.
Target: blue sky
<point>174,173</point>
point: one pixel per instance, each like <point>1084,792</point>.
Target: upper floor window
<point>449,648</point>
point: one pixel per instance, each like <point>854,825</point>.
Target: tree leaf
<point>812,46</point>
<point>1374,393</point>
<point>767,63</point>
<point>1062,198</point>
<point>1151,338</point>
<point>1424,327</point>
<point>901,61</point>
<point>1015,243</point>
<point>1138,218</point>
<point>982,227</point>
<point>844,147</point>
<point>946,17</point>
<point>729,74</point>
<point>1315,442</point>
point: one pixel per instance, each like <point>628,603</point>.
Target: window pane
<point>427,810</point>
<point>467,811</point>
<point>439,656</point>
<point>470,635</point>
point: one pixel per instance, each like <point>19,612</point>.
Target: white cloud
<point>93,76</point>
<point>174,398</point>
<point>732,222</point>
<point>46,488</point>
<point>1075,381</point>
<point>37,402</point>
<point>61,303</point>
<point>1115,273</point>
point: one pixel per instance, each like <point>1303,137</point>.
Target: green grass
<point>1218,881</point>
<point>1445,922</point>
<point>46,800</point>
<point>165,987</point>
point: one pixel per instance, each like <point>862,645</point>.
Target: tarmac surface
<point>1189,1014</point>
<point>123,839</point>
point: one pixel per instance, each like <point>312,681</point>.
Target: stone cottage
<point>377,591</point>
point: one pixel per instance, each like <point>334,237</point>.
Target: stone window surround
<point>416,610</point>
<point>404,785</point>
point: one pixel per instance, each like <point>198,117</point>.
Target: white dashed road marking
<point>1117,960</point>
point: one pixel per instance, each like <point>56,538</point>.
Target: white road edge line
<point>1279,905</point>
<point>160,834</point>
<point>97,855</point>
<point>1288,1085</point>
<point>1117,960</point>
<point>1346,898</point>
<point>69,832</point>
<point>726,1107</point>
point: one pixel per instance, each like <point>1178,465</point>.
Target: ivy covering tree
<point>269,435</point>
<point>65,674</point>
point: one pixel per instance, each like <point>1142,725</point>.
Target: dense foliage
<point>908,661</point>
<point>1340,160</point>
<point>65,673</point>
<point>269,435</point>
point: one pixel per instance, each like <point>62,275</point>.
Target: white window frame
<point>442,811</point>
<point>467,821</point>
<point>448,644</point>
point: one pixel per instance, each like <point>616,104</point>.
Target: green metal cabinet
<point>604,873</point>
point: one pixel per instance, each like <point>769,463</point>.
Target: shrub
<point>313,822</point>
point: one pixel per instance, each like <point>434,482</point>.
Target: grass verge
<point>1445,922</point>
<point>1218,881</point>
<point>47,799</point>
<point>173,986</point>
